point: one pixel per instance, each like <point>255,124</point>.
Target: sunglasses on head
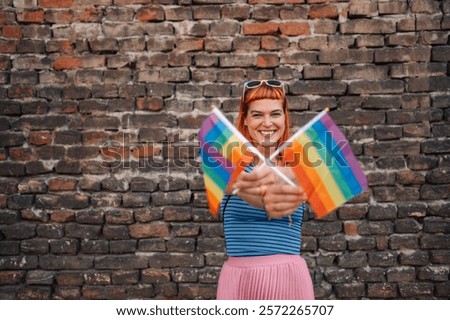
<point>252,84</point>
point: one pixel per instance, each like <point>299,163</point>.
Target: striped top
<point>249,233</point>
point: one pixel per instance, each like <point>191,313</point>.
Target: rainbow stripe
<point>222,157</point>
<point>326,166</point>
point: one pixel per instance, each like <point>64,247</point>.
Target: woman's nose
<point>267,120</point>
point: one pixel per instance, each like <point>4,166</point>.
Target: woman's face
<point>265,122</point>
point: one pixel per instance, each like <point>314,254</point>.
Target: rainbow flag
<point>324,164</point>
<point>223,156</point>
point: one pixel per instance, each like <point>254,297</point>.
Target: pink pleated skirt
<point>274,277</point>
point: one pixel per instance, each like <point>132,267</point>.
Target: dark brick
<point>34,293</point>
<point>382,290</point>
<point>115,232</point>
<point>401,274</point>
<point>333,243</point>
<point>22,230</point>
<point>19,262</point>
<point>415,290</point>
<point>372,228</point>
<point>336,275</point>
<point>403,242</point>
<point>440,256</point>
<point>18,202</point>
<point>82,231</point>
<point>382,259</point>
<point>436,225</point>
<point>433,192</point>
<point>388,212</point>
<point>433,273</point>
<point>11,277</point>
<point>186,245</point>
<point>435,146</point>
<point>136,199</point>
<point>121,262</point>
<point>439,209</point>
<point>123,246</point>
<point>210,244</point>
<point>414,258</point>
<point>9,248</point>
<point>11,139</point>
<point>12,169</point>
<point>317,228</point>
<point>407,225</point>
<point>34,246</point>
<point>362,243</point>
<point>352,260</point>
<point>350,291</point>
<point>435,241</point>
<point>443,289</point>
<point>70,246</point>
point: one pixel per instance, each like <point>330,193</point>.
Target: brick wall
<point>100,102</point>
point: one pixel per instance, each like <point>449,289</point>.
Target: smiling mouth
<point>267,133</point>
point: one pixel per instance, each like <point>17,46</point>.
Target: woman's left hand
<point>281,199</point>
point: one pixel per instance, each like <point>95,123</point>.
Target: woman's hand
<point>281,199</point>
<point>263,188</point>
<point>251,186</point>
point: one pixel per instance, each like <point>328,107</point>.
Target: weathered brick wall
<point>100,102</point>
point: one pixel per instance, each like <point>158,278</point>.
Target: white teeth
<point>267,133</point>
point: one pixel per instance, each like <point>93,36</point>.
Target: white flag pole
<point>252,148</point>
<point>299,132</point>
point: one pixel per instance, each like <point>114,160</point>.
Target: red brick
<point>145,151</point>
<point>186,45</point>
<point>254,28</point>
<point>149,103</point>
<point>62,216</point>
<point>149,230</point>
<point>56,3</point>
<point>3,155</point>
<point>12,31</point>
<point>20,91</point>
<point>31,16</point>
<point>351,228</point>
<point>128,2</point>
<point>152,13</point>
<point>267,60</point>
<point>115,153</point>
<point>62,184</point>
<point>295,28</point>
<point>276,1</point>
<point>66,62</point>
<point>323,12</point>
<point>39,138</point>
<point>90,15</point>
<point>63,46</point>
<point>95,137</point>
<point>22,154</point>
<point>59,16</point>
<point>3,198</point>
<point>7,46</point>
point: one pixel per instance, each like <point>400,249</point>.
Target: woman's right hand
<point>251,186</point>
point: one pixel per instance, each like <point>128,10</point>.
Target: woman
<point>262,214</point>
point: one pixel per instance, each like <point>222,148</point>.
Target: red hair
<point>262,92</point>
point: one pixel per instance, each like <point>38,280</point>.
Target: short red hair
<point>262,92</point>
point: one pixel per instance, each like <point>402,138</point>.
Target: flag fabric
<point>325,165</point>
<point>223,156</point>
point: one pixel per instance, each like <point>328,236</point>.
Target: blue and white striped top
<point>249,233</point>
